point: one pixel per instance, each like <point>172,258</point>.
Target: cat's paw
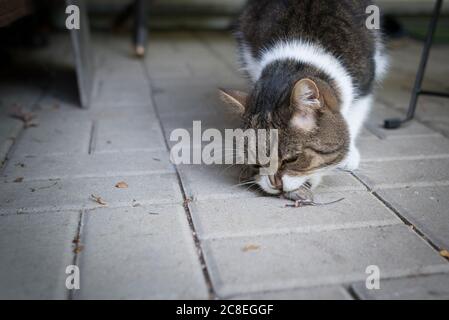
<point>314,181</point>
<point>352,161</point>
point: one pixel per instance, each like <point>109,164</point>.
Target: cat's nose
<point>276,181</point>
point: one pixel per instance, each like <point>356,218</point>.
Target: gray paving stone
<point>189,101</point>
<point>425,208</point>
<point>268,215</point>
<point>380,112</point>
<point>9,130</point>
<point>128,135</point>
<point>234,81</point>
<point>223,45</point>
<point>366,133</point>
<point>432,107</point>
<point>251,264</point>
<point>169,70</point>
<point>225,119</point>
<point>318,293</point>
<point>440,124</point>
<point>56,134</point>
<point>73,194</point>
<point>339,181</point>
<point>203,182</point>
<point>404,173</point>
<point>139,253</point>
<point>35,250</point>
<point>54,110</point>
<point>122,98</point>
<point>404,148</point>
<point>87,166</point>
<point>202,123</point>
<point>111,112</point>
<point>23,94</point>
<point>431,287</point>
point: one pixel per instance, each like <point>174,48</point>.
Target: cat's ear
<point>305,93</point>
<point>305,99</point>
<point>236,99</point>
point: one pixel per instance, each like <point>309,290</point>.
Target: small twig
<point>24,116</point>
<point>98,200</point>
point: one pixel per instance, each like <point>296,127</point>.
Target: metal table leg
<point>84,59</point>
<point>140,27</point>
<point>417,89</point>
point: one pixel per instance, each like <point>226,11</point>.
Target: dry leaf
<point>250,247</point>
<point>19,179</point>
<point>444,253</point>
<point>187,201</point>
<point>98,200</point>
<point>121,185</point>
<point>78,249</point>
<point>24,116</point>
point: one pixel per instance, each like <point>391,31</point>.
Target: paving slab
<point>9,130</point>
<point>431,287</point>
<point>269,215</point>
<point>380,112</point>
<point>87,166</point>
<point>139,253</point>
<point>420,147</point>
<point>74,194</point>
<point>404,173</point>
<point>189,100</point>
<point>251,264</point>
<point>318,293</point>
<point>35,250</point>
<point>56,134</point>
<point>128,135</point>
<point>201,123</point>
<point>122,98</point>
<point>207,182</point>
<point>440,124</point>
<point>234,81</point>
<point>202,182</point>
<point>18,92</point>
<point>426,208</point>
<point>223,45</point>
<point>225,119</point>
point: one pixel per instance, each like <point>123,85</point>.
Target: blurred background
<point>195,14</point>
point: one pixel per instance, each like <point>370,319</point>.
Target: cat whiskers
<point>244,184</point>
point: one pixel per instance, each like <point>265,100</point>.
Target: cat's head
<point>312,133</point>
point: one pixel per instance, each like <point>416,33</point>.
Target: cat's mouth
<point>274,184</point>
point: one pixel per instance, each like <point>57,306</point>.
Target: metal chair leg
<point>84,58</point>
<point>417,89</point>
<point>140,27</point>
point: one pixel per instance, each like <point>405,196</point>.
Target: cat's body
<point>326,44</point>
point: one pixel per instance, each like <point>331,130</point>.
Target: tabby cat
<point>313,66</point>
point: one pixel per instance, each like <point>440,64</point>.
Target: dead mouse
<point>304,197</point>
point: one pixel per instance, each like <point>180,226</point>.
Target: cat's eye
<point>291,159</point>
